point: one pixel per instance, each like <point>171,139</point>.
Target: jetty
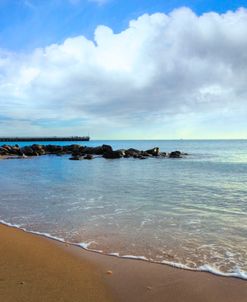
<point>45,139</point>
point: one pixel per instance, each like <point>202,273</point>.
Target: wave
<point>237,273</point>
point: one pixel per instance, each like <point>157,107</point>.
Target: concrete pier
<point>45,139</point>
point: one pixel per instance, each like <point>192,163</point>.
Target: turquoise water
<point>189,212</point>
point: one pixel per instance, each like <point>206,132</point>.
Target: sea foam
<point>237,273</point>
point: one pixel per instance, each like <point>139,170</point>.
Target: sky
<point>118,69</point>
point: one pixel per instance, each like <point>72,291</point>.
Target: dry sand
<point>33,268</point>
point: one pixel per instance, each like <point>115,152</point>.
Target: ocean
<point>189,213</point>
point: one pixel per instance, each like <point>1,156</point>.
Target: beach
<point>35,268</point>
<point>123,163</point>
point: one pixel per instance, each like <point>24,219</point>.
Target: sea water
<point>189,212</point>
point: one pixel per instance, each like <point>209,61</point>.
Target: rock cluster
<point>79,152</point>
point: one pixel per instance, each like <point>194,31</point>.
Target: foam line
<point>86,246</point>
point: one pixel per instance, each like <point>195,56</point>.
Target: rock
<point>72,148</point>
<point>75,158</point>
<point>3,151</point>
<point>21,282</point>
<point>87,150</point>
<point>39,149</point>
<point>7,147</point>
<point>53,149</point>
<point>132,152</point>
<point>141,157</point>
<point>28,151</point>
<point>98,150</point>
<point>121,152</point>
<point>109,272</point>
<point>84,152</point>
<point>107,148</point>
<point>175,154</point>
<point>163,154</point>
<point>88,156</point>
<point>154,151</point>
<point>146,154</point>
<point>113,154</point>
<point>9,150</point>
<point>15,150</point>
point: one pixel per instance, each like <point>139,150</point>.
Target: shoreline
<point>84,246</point>
<point>121,278</point>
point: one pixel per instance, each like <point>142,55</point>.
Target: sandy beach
<point>34,268</point>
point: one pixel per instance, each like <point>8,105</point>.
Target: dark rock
<point>72,148</point>
<point>163,154</point>
<point>175,154</point>
<point>107,148</point>
<point>154,151</point>
<point>146,154</point>
<point>6,149</point>
<point>75,158</point>
<point>79,152</point>
<point>113,154</point>
<point>121,152</point>
<point>3,151</point>
<point>86,150</point>
<point>88,156</point>
<point>28,151</point>
<point>132,152</point>
<point>98,150</point>
<point>141,157</point>
<point>16,151</point>
<point>39,149</point>
<point>53,149</point>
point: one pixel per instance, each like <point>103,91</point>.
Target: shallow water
<point>189,212</point>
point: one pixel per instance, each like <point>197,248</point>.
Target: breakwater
<point>79,152</point>
<point>45,139</point>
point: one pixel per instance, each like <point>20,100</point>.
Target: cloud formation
<point>164,72</point>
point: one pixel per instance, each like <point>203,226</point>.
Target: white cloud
<point>164,72</point>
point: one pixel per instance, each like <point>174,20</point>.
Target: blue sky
<point>25,24</point>
<point>155,69</point>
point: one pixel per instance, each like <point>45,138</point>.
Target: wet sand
<point>34,268</point>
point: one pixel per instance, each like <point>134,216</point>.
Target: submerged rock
<point>175,154</point>
<point>141,157</point>
<point>75,158</point>
<point>88,156</point>
<point>163,154</point>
